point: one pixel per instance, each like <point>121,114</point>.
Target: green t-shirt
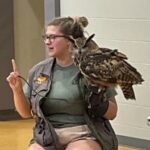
<point>64,106</point>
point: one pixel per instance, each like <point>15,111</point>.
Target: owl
<point>105,67</point>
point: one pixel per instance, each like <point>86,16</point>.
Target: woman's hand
<point>21,102</point>
<point>13,78</point>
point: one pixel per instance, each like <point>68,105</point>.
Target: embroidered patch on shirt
<point>41,78</point>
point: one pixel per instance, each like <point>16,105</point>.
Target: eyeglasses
<point>53,36</point>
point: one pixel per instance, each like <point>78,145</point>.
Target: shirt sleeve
<point>26,90</point>
<point>111,92</point>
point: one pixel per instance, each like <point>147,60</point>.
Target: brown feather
<point>105,67</point>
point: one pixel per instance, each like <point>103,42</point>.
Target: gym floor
<point>15,135</point>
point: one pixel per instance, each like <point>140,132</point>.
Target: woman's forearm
<point>21,103</point>
<point>111,112</point>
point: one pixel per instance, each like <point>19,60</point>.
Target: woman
<point>53,91</point>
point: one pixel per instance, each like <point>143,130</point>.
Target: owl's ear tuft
<point>88,40</point>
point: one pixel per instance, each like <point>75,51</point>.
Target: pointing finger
<point>15,69</point>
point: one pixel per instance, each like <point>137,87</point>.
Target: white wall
<point>124,25</point>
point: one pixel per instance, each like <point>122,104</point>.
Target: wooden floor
<point>15,135</point>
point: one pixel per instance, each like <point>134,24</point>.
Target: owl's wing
<point>106,70</point>
<point>109,69</point>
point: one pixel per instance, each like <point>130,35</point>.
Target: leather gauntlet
<point>97,102</point>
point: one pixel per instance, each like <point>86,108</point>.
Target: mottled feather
<point>105,67</point>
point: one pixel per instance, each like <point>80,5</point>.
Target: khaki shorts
<point>71,134</point>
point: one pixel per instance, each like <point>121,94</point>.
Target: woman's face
<point>58,46</point>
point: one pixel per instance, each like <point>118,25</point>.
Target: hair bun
<point>83,21</point>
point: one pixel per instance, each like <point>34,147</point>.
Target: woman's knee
<point>84,144</point>
<point>35,146</point>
